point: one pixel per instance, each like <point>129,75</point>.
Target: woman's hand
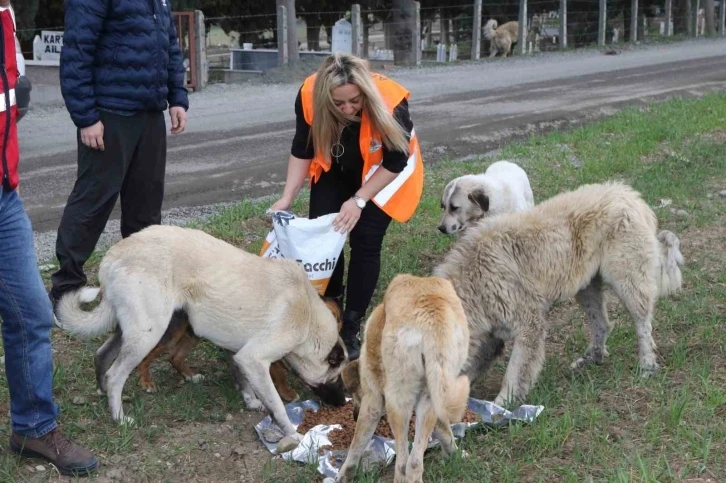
<point>297,171</point>
<point>348,217</point>
<point>283,204</point>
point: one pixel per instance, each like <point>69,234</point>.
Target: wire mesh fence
<point>382,32</point>
<point>442,33</point>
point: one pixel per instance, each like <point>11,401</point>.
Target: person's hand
<point>92,136</point>
<point>348,217</point>
<point>178,119</point>
<point>283,204</point>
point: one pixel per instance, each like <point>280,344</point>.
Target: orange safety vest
<point>401,197</point>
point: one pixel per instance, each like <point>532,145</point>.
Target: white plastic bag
<point>313,243</point>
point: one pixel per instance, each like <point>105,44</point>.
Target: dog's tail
<point>449,394</point>
<point>670,260</point>
<point>82,323</point>
<point>489,29</point>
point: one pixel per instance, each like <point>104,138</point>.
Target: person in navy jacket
<point>120,68</point>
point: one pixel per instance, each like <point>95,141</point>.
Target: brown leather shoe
<point>68,457</point>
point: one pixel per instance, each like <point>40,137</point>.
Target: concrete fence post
<point>357,31</point>
<point>602,23</point>
<point>416,34</point>
<point>522,34</point>
<point>563,24</point>
<point>282,35</point>
<point>200,62</point>
<point>476,32</point>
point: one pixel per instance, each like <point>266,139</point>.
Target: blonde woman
<point>355,140</point>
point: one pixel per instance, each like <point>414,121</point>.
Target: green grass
<point>600,424</point>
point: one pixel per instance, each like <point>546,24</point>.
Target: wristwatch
<point>360,202</point>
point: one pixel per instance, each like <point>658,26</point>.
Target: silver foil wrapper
<point>380,451</point>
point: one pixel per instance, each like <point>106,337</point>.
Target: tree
<point>681,16</point>
<point>710,13</point>
<point>403,12</point>
<point>292,44</point>
<point>25,12</point>
<point>321,13</point>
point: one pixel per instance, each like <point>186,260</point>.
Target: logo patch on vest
<point>375,145</point>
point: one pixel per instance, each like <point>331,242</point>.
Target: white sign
<point>51,43</point>
<point>342,37</point>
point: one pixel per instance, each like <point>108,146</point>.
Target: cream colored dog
<point>414,349</point>
<point>502,188</point>
<point>508,270</point>
<point>501,38</point>
<point>260,309</point>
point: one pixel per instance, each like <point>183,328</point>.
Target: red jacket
<point>9,74</point>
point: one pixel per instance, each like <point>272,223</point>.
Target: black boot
<point>349,334</point>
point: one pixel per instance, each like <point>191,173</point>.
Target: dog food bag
<point>313,243</point>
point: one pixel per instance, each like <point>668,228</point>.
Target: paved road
<point>239,136</point>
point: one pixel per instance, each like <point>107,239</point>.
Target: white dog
<point>509,270</point>
<point>502,188</point>
<point>262,310</point>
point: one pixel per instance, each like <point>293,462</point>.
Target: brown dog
<point>501,37</point>
<point>179,340</point>
<point>414,348</point>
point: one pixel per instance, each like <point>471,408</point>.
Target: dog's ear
<point>480,198</point>
<point>333,305</point>
<point>336,356</point>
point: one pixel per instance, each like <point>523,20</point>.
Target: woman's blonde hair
<point>337,70</point>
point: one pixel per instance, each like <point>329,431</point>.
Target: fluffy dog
<point>260,309</point>
<point>414,349</point>
<point>502,38</point>
<point>502,188</point>
<point>509,269</point>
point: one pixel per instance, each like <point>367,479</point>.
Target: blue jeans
<point>27,318</point>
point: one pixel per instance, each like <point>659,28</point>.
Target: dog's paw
<point>255,405</point>
<point>400,476</point>
<point>195,379</point>
<point>288,444</point>
<point>464,454</point>
<point>127,421</point>
<point>148,386</point>
<point>648,367</point>
<point>272,434</point>
<point>290,398</point>
<point>100,392</point>
<point>591,356</point>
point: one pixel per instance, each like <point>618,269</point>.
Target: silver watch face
<point>361,204</point>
